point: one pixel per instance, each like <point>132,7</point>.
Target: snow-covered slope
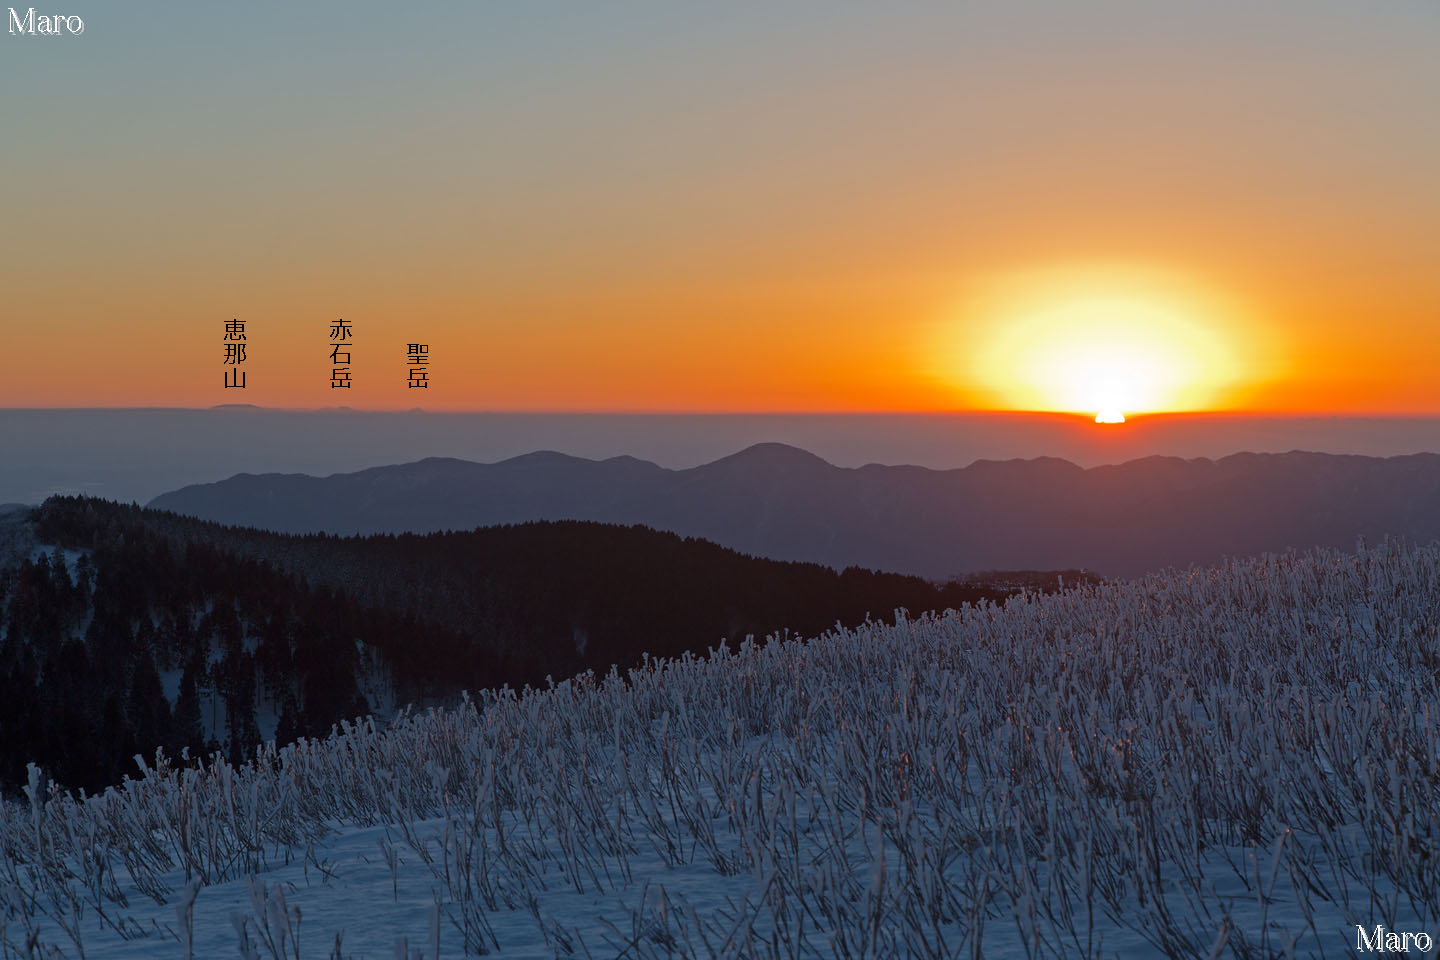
<point>1242,761</point>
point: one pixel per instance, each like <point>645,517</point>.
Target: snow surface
<point>1238,762</point>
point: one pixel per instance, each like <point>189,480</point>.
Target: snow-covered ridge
<point>1239,761</point>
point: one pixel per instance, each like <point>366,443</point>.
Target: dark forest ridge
<point>123,629</point>
<point>781,502</point>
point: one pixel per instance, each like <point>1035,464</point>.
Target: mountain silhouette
<point>777,501</point>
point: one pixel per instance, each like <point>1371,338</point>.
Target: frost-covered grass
<point>1232,762</point>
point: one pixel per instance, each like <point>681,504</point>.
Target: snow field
<point>1241,761</point>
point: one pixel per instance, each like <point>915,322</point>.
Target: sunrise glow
<point>1107,342</point>
<point>1132,216</point>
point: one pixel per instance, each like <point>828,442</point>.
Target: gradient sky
<point>646,206</point>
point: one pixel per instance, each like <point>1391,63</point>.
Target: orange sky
<point>726,210</point>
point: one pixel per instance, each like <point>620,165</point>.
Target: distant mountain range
<point>777,501</point>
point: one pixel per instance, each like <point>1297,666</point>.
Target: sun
<point>1108,356</point>
<point>1106,344</point>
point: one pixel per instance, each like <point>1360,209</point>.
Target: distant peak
<point>428,462</point>
<point>1029,464</point>
<point>626,460</point>
<point>775,453</point>
<point>546,456</point>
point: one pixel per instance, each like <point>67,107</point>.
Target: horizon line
<point>1081,417</point>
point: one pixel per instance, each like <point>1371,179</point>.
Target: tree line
<point>141,629</point>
